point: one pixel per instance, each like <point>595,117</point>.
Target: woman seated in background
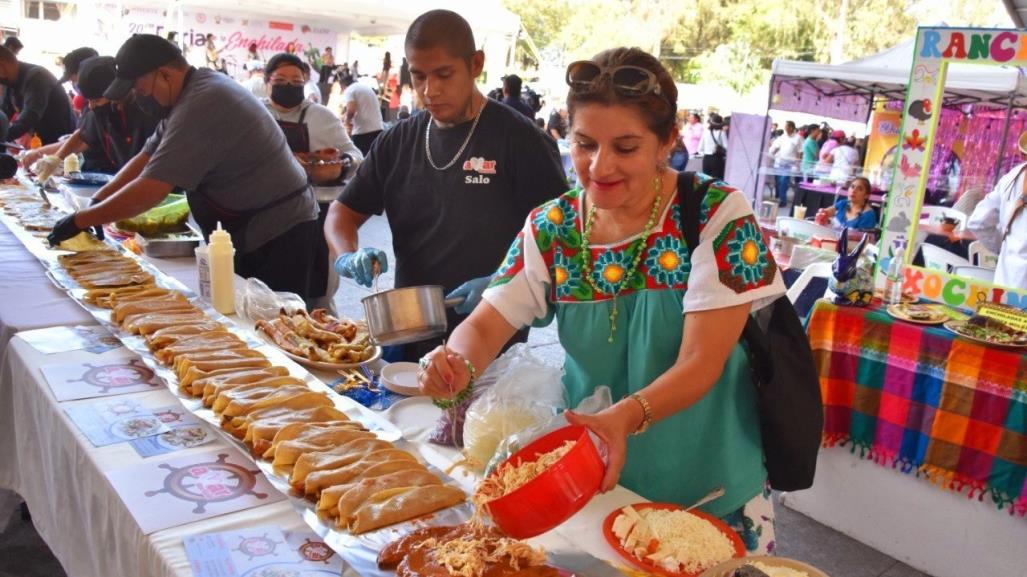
<point>636,309</point>
<point>852,212</point>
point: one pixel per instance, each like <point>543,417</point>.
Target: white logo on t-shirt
<point>482,167</point>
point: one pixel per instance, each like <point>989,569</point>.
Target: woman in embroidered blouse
<point>635,310</point>
<point>855,211</point>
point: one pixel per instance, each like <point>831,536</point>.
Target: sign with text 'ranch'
<point>233,33</point>
<point>934,50</point>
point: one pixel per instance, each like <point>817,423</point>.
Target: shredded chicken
<point>510,477</point>
<point>471,554</point>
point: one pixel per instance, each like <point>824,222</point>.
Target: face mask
<point>149,104</point>
<point>151,107</point>
<point>286,95</point>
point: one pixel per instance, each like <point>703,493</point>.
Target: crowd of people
<point>468,183</point>
<point>812,152</point>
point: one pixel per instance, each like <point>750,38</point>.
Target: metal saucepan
<point>406,315</point>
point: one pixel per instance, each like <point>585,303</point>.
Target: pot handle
<point>452,302</point>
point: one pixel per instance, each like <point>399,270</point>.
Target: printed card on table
<point>186,431</point>
<point>115,421</point>
<point>88,380</point>
<point>51,340</point>
<point>167,494</point>
<point>261,551</point>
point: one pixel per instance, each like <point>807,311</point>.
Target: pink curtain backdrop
<point>796,95</point>
<point>983,142</point>
<point>944,137</point>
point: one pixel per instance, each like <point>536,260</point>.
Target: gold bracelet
<point>647,413</point>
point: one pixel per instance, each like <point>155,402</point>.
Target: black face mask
<point>286,95</point>
<point>149,104</point>
<point>151,107</point>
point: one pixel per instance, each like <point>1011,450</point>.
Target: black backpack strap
<point>690,202</point>
<point>753,335</point>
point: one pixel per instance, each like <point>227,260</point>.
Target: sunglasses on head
<point>587,76</point>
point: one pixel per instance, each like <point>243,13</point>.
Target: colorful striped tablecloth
<point>924,401</point>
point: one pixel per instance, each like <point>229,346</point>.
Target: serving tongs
<point>42,193</point>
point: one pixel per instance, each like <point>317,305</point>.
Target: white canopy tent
<point>886,74</point>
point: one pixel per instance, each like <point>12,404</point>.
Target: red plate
<point>652,567</point>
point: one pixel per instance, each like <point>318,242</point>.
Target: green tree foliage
<point>734,42</point>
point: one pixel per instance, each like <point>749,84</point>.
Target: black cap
<point>282,59</point>
<point>13,43</point>
<point>74,59</point>
<point>139,54</point>
<point>95,76</point>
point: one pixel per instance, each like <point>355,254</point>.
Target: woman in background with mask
<point>310,128</point>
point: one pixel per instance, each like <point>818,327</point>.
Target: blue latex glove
<point>471,291</point>
<point>359,265</point>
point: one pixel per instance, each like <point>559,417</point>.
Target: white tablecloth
<point>60,474</point>
<point>28,300</point>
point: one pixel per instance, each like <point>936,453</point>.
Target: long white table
<point>60,474</point>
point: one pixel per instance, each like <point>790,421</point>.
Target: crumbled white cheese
<point>674,540</point>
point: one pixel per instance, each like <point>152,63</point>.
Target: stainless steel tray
<point>179,244</point>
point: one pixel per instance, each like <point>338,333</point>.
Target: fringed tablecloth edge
<point>942,478</point>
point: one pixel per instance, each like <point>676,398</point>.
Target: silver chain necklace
<point>459,153</point>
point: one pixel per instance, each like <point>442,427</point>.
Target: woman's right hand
<point>443,374</point>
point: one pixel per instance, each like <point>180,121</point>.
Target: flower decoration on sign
<point>914,141</point>
<point>909,170</point>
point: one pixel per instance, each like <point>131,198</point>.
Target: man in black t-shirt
<point>41,103</point>
<point>456,183</point>
<point>111,132</point>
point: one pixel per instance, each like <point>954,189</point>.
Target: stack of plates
<point>401,378</point>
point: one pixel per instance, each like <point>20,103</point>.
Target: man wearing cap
<point>13,44</point>
<point>73,60</point>
<point>42,105</point>
<point>220,145</point>
<point>111,132</point>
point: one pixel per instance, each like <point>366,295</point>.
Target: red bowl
<point>736,540</point>
<point>556,494</point>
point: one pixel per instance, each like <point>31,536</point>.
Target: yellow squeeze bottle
<point>221,255</point>
<point>71,164</point>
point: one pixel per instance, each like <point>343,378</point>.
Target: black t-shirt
<point>42,105</point>
<point>93,158</point>
<point>117,136</point>
<point>454,225</point>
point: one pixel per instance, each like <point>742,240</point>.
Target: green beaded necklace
<point>638,245</point>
